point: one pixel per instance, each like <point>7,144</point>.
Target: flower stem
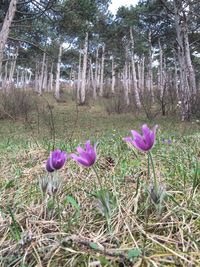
<point>98,178</point>
<point>155,183</point>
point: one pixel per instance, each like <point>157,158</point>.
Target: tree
<point>6,28</point>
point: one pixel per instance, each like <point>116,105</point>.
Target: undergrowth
<point>70,230</point>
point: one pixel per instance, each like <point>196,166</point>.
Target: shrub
<point>17,103</point>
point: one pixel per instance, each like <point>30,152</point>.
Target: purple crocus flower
<point>86,157</point>
<point>144,142</point>
<point>56,160</point>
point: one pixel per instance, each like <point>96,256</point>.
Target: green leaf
<point>94,245</point>
<point>10,184</point>
<point>123,167</point>
<point>133,253</point>
<point>104,261</point>
<point>72,201</point>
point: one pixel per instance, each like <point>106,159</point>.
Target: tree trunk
<point>84,71</point>
<point>113,75</point>
<point>191,74</point>
<point>125,78</point>
<point>96,84</point>
<point>13,65</point>
<point>102,71</point>
<point>41,77</point>
<point>17,81</point>
<point>149,72</point>
<point>160,76</point>
<point>6,28</point>
<point>176,77</point>
<point>125,81</point>
<point>184,85</point>
<point>5,79</point>
<point>92,80</point>
<point>57,88</point>
<point>142,73</point>
<point>79,78</point>
<point>135,86</point>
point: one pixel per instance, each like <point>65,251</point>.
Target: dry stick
<point>79,240</point>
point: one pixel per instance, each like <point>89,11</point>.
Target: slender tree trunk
<point>150,73</point>
<point>79,78</point>
<point>113,75</point>
<point>96,85</point>
<point>125,81</point>
<point>184,85</point>
<point>37,77</point>
<point>5,79</point>
<point>84,71</point>
<point>125,78</point>
<point>139,76</point>
<point>29,78</point>
<point>25,79</point>
<point>92,79</point>
<point>13,65</point>
<point>142,73</point>
<point>6,28</point>
<point>191,74</point>
<point>17,81</point>
<point>135,86</point>
<point>176,77</point>
<point>57,87</point>
<point>102,71</point>
<point>41,77</point>
<point>22,80</point>
<point>50,83</point>
<point>160,77</point>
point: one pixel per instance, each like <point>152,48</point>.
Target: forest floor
<point>72,228</point>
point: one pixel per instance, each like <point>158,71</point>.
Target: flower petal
<point>153,135</point>
<point>80,160</point>
<point>140,144</point>
<point>128,139</point>
<point>136,134</point>
<point>147,135</point>
<point>49,167</point>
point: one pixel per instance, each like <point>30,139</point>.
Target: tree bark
<point>6,28</point>
<point>191,74</point>
<point>102,71</point>
<point>41,77</point>
<point>184,84</point>
<point>113,75</point>
<point>79,78</point>
<point>96,84</point>
<point>12,68</point>
<point>57,87</point>
<point>160,76</point>
<point>135,85</point>
<point>84,70</point>
<point>149,72</point>
<point>126,78</point>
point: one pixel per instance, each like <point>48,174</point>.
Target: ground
<point>70,228</point>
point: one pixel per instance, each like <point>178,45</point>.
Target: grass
<point>70,228</point>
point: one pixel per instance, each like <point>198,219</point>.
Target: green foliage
<point>133,253</point>
<point>72,201</point>
<point>136,230</point>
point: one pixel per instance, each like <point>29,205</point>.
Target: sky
<point>117,3</point>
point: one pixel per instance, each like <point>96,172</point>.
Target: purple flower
<point>144,142</point>
<point>165,141</point>
<point>86,157</point>
<point>56,160</point>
